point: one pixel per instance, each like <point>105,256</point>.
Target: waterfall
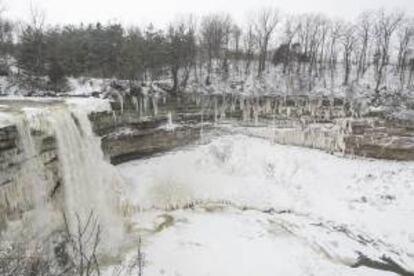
<point>31,184</point>
<point>90,183</point>
<point>80,181</point>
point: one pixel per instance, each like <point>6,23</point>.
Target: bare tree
<point>136,264</point>
<point>291,29</point>
<point>335,35</point>
<point>363,31</point>
<point>386,24</point>
<point>405,36</point>
<point>23,259</point>
<point>249,42</point>
<point>227,28</point>
<point>236,33</point>
<point>73,252</point>
<point>312,35</point>
<point>323,42</point>
<point>214,30</point>
<point>348,42</point>
<point>264,25</point>
<point>181,50</point>
<point>84,241</point>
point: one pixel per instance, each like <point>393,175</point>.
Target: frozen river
<point>244,206</point>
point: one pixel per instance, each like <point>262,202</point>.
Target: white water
<point>90,183</point>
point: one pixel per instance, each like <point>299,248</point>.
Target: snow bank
<point>339,206</point>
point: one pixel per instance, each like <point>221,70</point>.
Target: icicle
<point>215,110</point>
<point>141,107</point>
<point>145,105</point>
<point>274,128</point>
<point>268,106</point>
<point>241,103</point>
<point>155,105</point>
<point>135,102</point>
<point>246,110</point>
<point>202,127</point>
<point>223,108</point>
<point>256,111</point>
<point>233,104</point>
<point>170,126</point>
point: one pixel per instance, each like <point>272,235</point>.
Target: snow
<point>33,106</point>
<point>84,86</point>
<point>244,206</point>
<point>90,104</point>
<point>232,242</point>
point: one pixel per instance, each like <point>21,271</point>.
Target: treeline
<point>308,49</point>
<point>101,51</point>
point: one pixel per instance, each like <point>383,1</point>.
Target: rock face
<point>16,197</point>
<point>127,136</point>
<point>333,125</point>
<point>379,138</point>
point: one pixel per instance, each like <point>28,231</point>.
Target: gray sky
<point>162,11</point>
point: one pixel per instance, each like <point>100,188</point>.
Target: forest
<point>307,50</point>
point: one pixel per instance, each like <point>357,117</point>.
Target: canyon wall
<point>335,125</point>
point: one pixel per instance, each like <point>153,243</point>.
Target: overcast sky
<point>162,11</point>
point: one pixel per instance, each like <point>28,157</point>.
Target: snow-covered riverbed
<point>244,206</point>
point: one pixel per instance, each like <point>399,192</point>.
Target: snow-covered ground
<point>244,206</point>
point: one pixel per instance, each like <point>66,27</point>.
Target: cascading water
<point>90,183</point>
<point>31,185</point>
<point>86,181</point>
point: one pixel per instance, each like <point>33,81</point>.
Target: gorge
<point>55,170</point>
